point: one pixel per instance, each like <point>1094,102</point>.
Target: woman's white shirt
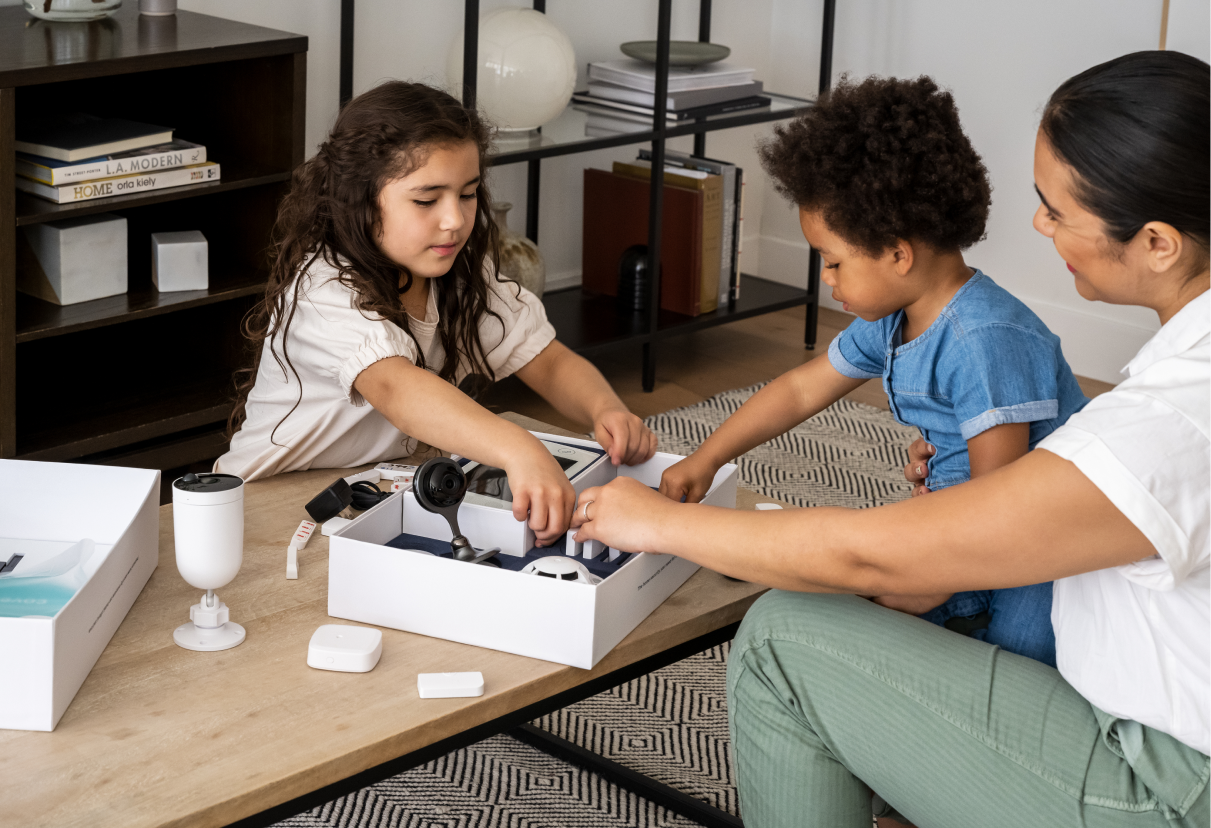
<point>330,342</point>
<point>1135,640</point>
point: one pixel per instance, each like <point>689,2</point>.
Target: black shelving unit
<point>587,322</point>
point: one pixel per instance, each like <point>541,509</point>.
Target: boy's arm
<point>576,389</point>
<point>778,407</point>
<point>986,452</point>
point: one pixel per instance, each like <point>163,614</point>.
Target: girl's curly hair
<point>882,160</point>
<point>332,212</point>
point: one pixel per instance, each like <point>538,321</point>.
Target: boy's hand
<point>542,495</point>
<point>624,437</point>
<point>912,604</point>
<point>689,478</point>
<point>917,470</point>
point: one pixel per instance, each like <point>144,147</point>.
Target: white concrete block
<point>75,260</point>
<point>180,261</point>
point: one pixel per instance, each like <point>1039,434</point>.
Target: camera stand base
<point>208,639</point>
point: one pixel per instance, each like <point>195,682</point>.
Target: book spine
<point>740,187</point>
<point>123,185</point>
<point>110,167</point>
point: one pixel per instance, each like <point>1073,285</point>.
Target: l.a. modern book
<point>122,184</point>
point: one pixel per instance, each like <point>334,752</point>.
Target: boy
<point>890,193</point>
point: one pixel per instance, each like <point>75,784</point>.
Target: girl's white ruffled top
<point>330,342</point>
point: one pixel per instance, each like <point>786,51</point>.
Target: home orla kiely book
<point>121,184</point>
<point>50,171</point>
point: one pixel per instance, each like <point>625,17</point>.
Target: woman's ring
<point>586,509</point>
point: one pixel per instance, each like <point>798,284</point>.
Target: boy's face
<point>428,214</point>
<point>869,286</point>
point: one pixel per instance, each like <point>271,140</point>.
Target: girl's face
<point>428,214</point>
<point>869,286</point>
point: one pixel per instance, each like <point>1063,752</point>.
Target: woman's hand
<point>624,436</point>
<point>917,470</point>
<point>542,495</point>
<point>690,478</point>
<point>624,514</point>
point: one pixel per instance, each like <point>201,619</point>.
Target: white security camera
<point>208,525</point>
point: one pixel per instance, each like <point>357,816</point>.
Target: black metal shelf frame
<point>661,131</point>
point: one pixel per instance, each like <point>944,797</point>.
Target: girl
<point>890,193</point>
<point>384,309</point>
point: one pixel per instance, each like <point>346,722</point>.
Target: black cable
<point>367,495</point>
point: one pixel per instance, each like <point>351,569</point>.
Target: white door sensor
<point>345,649</point>
<point>450,685</point>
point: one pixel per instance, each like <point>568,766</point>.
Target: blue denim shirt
<point>985,361</point>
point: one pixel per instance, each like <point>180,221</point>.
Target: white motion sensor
<point>562,568</point>
<point>208,525</point>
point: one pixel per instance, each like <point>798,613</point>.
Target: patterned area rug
<point>671,724</point>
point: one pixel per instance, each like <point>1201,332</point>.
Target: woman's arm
<point>1035,520</point>
<point>430,409</point>
<point>777,408</point>
<point>986,452</point>
<point>577,390</point>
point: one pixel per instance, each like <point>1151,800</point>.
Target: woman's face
<point>1104,270</point>
<point>428,214</point>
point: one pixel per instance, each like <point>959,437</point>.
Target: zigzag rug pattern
<point>671,724</point>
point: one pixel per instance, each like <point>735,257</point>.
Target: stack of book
<point>80,157</point>
<point>621,94</point>
<point>701,230</point>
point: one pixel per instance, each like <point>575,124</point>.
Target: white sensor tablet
<point>489,486</point>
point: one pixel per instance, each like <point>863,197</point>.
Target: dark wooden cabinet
<point>145,378</point>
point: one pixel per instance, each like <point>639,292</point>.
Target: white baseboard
<point>1094,346</point>
<point>562,281</point>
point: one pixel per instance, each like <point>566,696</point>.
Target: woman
<point>830,694</point>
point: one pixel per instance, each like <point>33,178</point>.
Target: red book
<point>616,217</point>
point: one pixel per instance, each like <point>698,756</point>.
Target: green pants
<point>831,697</point>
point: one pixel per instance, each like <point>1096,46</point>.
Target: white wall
<point>1001,61</point>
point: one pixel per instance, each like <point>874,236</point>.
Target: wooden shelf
<point>34,210</point>
<point>200,403</point>
<point>37,319</point>
<point>588,322</point>
<point>34,51</point>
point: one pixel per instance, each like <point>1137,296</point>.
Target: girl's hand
<point>624,514</point>
<point>542,495</point>
<point>917,470</point>
<point>624,436</point>
<point>690,478</point>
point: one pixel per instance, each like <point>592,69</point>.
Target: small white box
<point>345,649</point>
<point>568,623</point>
<point>75,260</point>
<point>53,631</point>
<point>180,261</point>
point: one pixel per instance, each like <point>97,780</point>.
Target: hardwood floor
<point>702,364</point>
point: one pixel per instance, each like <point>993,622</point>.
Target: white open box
<point>561,621</point>
<point>47,509</point>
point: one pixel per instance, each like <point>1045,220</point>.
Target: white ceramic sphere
<point>527,69</point>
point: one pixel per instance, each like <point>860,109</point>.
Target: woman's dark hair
<point>332,212</point>
<point>882,160</point>
<point>1135,131</point>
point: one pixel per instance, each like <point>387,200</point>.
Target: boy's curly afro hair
<point>882,160</point>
